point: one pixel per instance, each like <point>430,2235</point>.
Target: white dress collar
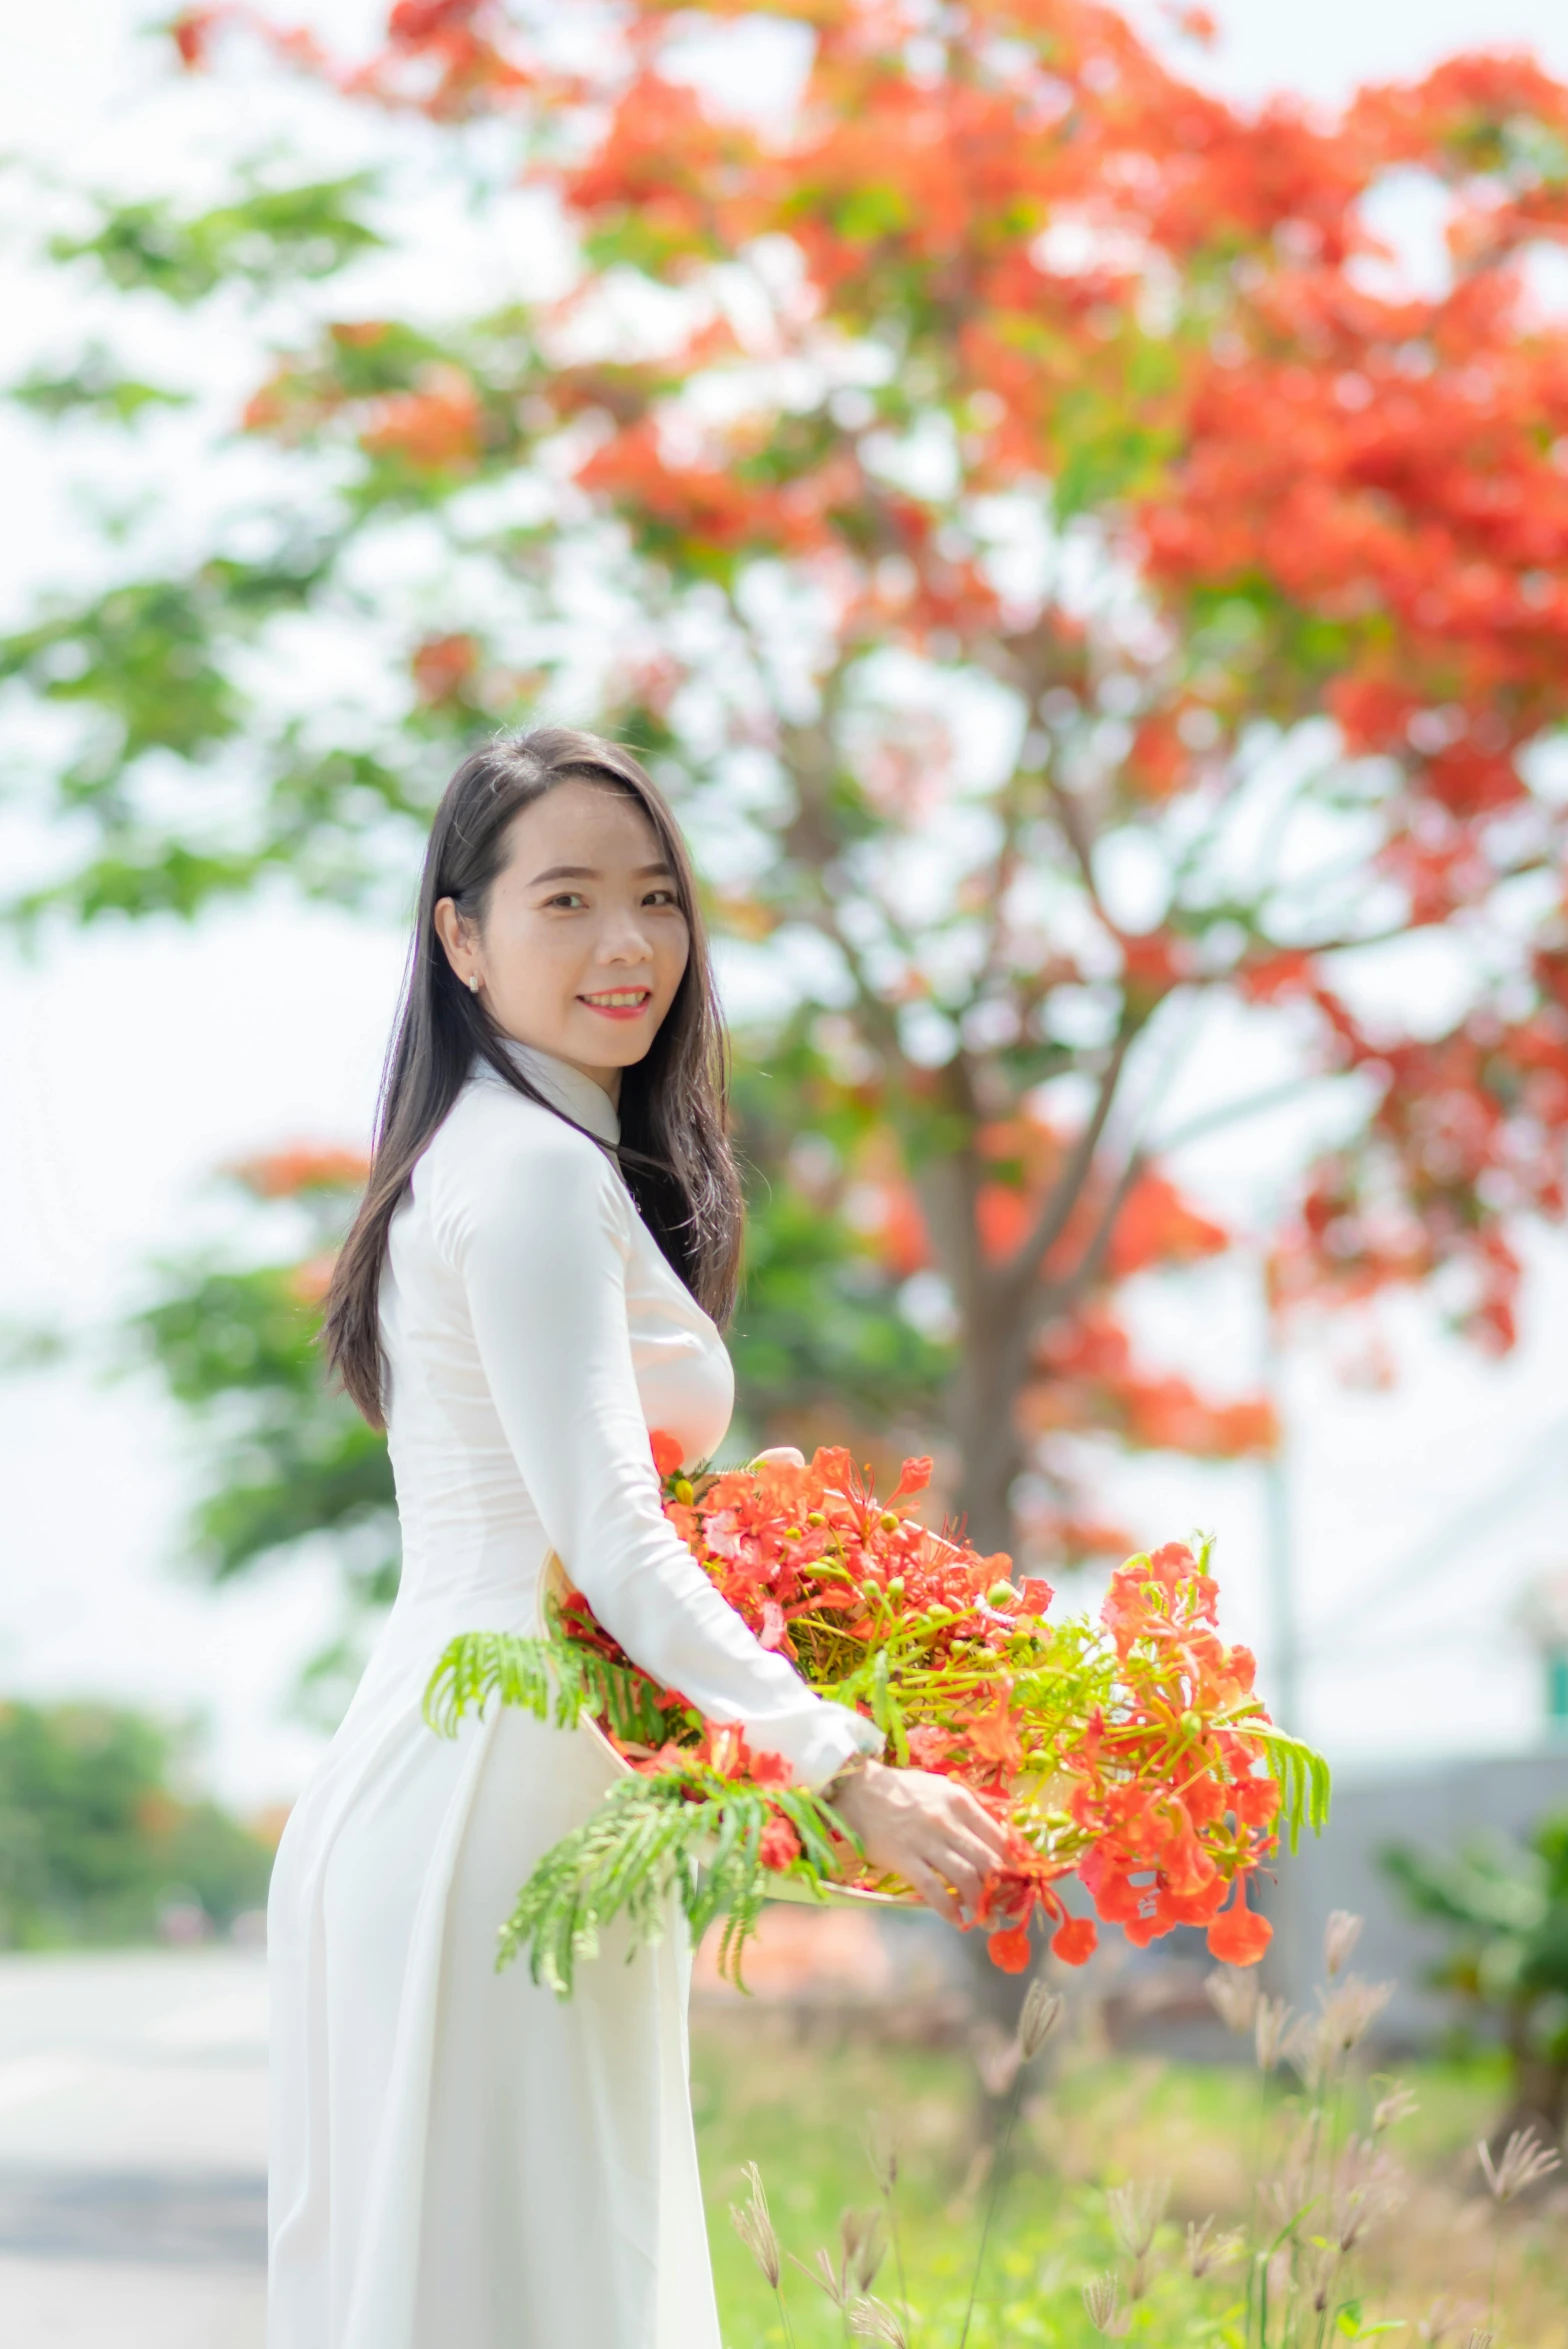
<point>566,1088</point>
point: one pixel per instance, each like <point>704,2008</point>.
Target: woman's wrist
<point>847,1776</point>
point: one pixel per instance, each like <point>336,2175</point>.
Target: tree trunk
<point>982,1402</point>
<point>983,1421</point>
<point>1538,2097</point>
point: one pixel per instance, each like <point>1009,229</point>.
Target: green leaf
<point>650,1844</point>
<point>149,657</point>
<point>96,387</point>
<point>1305,1783</point>
<point>267,238</point>
<point>1347,2320</point>
<point>283,1458</point>
<point>552,1678</point>
<point>868,213</point>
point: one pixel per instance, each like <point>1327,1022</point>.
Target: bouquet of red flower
<point>1129,1752</point>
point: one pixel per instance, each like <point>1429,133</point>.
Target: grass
<point>797,2101</point>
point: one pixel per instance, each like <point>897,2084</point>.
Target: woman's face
<point>583,942</point>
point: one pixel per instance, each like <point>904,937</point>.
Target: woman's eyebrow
<point>591,873</point>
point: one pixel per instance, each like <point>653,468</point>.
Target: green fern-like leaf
<point>552,1678</point>
<point>1305,1783</point>
<point>654,1842</point>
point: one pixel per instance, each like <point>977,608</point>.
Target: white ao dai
<point>460,2160</point>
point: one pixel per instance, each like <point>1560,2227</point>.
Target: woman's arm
<point>539,1231</point>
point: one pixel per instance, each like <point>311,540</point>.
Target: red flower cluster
<point>1128,1751</point>
<point>1184,1811</point>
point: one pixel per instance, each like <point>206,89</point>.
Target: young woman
<point>547,1248</point>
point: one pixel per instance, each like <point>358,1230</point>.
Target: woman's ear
<point>457,940</point>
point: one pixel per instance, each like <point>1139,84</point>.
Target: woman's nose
<point>625,939</point>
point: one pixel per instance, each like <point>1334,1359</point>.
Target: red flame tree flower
<point>1131,1752</point>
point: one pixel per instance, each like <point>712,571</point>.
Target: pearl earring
<point>473,984</point>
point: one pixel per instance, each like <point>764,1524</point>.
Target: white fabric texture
<point>457,2156</point>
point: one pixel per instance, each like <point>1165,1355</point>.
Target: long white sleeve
<point>538,1228</point>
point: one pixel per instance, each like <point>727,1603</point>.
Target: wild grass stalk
<point>883,2151</point>
<point>1524,2161</point>
<point>755,2228</point>
<point>1042,2010</point>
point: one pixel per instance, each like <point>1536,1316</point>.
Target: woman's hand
<point>919,1825</point>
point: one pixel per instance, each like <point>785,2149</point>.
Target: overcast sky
<point>134,1061</point>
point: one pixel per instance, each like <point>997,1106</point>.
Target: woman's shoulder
<point>496,1150</point>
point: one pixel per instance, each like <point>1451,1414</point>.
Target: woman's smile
<point>620,1003</point>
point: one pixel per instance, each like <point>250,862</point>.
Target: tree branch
<point>1062,1295</point>
<point>1051,1221</point>
<point>1006,866</point>
<point>1091,1263</point>
<point>805,752</point>
<point>1070,812</point>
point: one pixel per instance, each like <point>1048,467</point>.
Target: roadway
<point>133,2150</point>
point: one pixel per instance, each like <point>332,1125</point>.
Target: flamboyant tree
<point>1091,598</point>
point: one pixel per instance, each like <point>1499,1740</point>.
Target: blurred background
<point>1072,503</point>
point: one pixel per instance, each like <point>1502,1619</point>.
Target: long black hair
<point>673,1150</point>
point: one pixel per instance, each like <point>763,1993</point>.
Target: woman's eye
<point>661,897</point>
<point>565,897</point>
